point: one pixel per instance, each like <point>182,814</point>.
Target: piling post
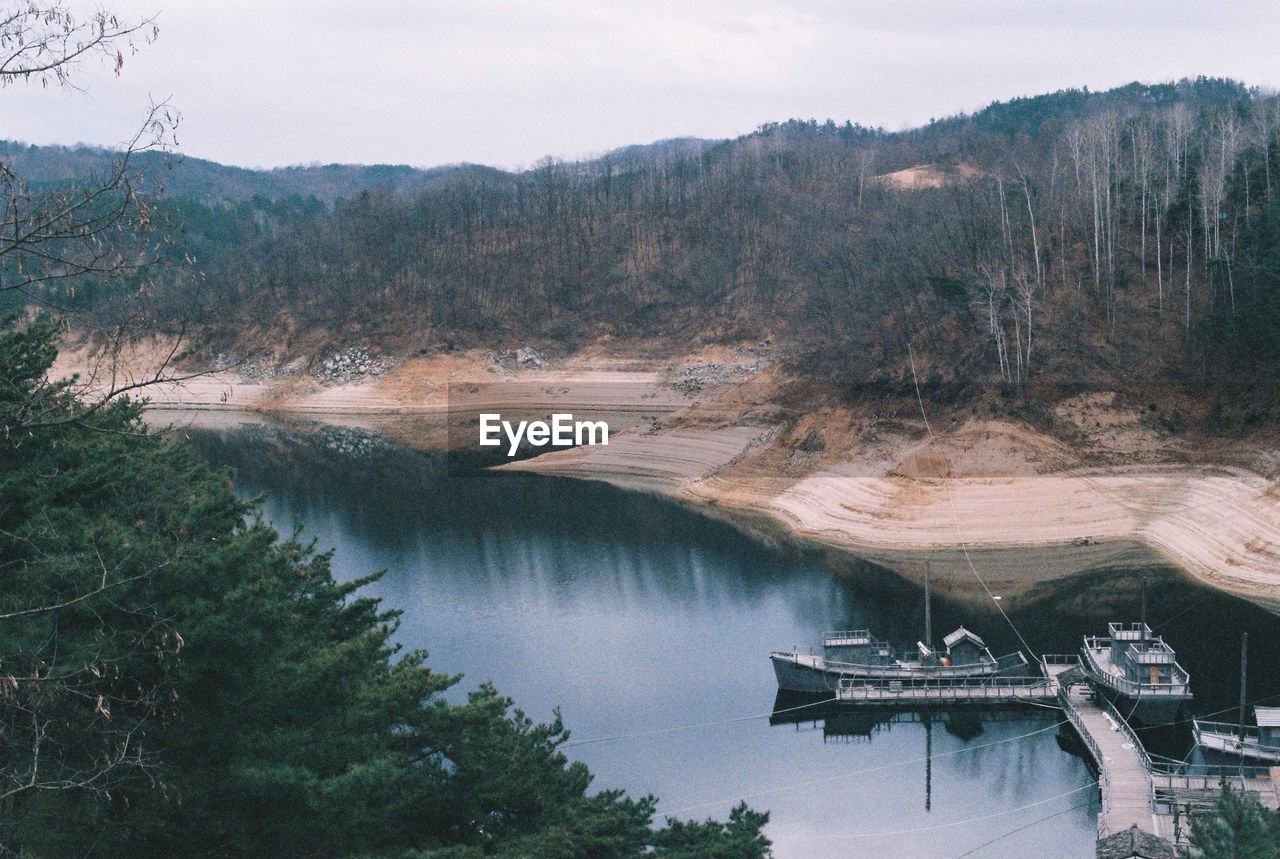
<point>1244,676</point>
<point>928,609</point>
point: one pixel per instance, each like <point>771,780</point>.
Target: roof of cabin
<point>960,635</point>
<point>1134,842</point>
<point>1268,717</point>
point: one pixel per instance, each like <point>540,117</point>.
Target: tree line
<point>1046,238</point>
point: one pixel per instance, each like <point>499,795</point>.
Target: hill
<point>179,176</point>
<point>1069,241</point>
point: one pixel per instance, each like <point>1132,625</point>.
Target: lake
<point>648,625</point>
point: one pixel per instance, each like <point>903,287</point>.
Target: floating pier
<point>1154,796</point>
<point>947,691</point>
<point>1123,765</point>
<point>1136,790</point>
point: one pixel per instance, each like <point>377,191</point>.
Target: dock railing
<point>919,690</point>
<point>919,682</point>
<point>1231,731</point>
<point>1123,723</point>
<point>1010,662</point>
<point>1077,722</point>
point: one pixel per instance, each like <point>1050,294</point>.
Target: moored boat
<point>1139,670</point>
<point>1257,743</point>
<point>857,655</point>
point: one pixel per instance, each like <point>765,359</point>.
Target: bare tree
<point>101,229</point>
<point>98,230</point>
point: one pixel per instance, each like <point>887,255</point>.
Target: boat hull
<point>1150,711</point>
<point>794,676</point>
<point>812,675</point>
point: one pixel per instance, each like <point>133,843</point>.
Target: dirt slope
<point>995,504</point>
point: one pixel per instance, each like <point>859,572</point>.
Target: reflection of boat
<point>857,724</point>
<point>1137,667</point>
<point>857,655</point>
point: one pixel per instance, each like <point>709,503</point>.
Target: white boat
<point>855,654</point>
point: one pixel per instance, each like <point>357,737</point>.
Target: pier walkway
<point>1123,766</point>
<point>1156,796</point>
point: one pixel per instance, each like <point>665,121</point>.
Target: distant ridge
<point>208,181</point>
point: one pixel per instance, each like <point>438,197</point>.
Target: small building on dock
<point>1133,843</point>
<point>965,647</point>
<point>1268,719</point>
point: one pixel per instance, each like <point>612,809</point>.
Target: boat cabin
<point>966,648</point>
<point>1268,719</point>
<point>1141,656</point>
<point>856,647</point>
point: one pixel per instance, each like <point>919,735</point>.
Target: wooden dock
<point>1123,775</point>
<point>948,692</point>
<point>1157,797</point>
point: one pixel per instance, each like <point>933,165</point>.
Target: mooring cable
<point>1206,715</point>
<point>674,728</point>
<point>865,771</point>
<point>954,823</point>
<point>987,844</point>
<point>955,518</point>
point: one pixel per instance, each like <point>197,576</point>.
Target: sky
<point>263,83</point>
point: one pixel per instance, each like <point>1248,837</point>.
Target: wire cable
<point>656,731</point>
<point>864,771</point>
<point>986,844</point>
<point>1206,715</point>
<point>955,518</point>
<point>977,819</point>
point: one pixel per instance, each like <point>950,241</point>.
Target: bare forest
<point>1126,236</point>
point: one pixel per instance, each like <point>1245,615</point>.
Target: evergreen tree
<point>1237,827</point>
<point>175,679</point>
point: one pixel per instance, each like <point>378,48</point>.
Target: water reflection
<point>640,618</point>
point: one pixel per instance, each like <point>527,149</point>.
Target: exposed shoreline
<point>994,504</point>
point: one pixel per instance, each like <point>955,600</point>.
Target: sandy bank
<point>421,385</point>
<point>1009,518</point>
<point>983,498</point>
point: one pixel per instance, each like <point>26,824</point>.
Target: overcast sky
<point>505,83</point>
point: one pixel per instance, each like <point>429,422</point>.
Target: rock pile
<point>747,361</point>
<point>350,365</point>
<point>693,378</point>
<point>254,369</point>
<point>526,357</point>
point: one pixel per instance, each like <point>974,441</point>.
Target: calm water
<point>634,616</point>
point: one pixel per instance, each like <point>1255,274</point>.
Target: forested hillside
<point>213,183</point>
<point>1076,239</point>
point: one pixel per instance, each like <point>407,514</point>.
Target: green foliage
<point>711,839</point>
<point>178,680</point>
<point>1237,827</point>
